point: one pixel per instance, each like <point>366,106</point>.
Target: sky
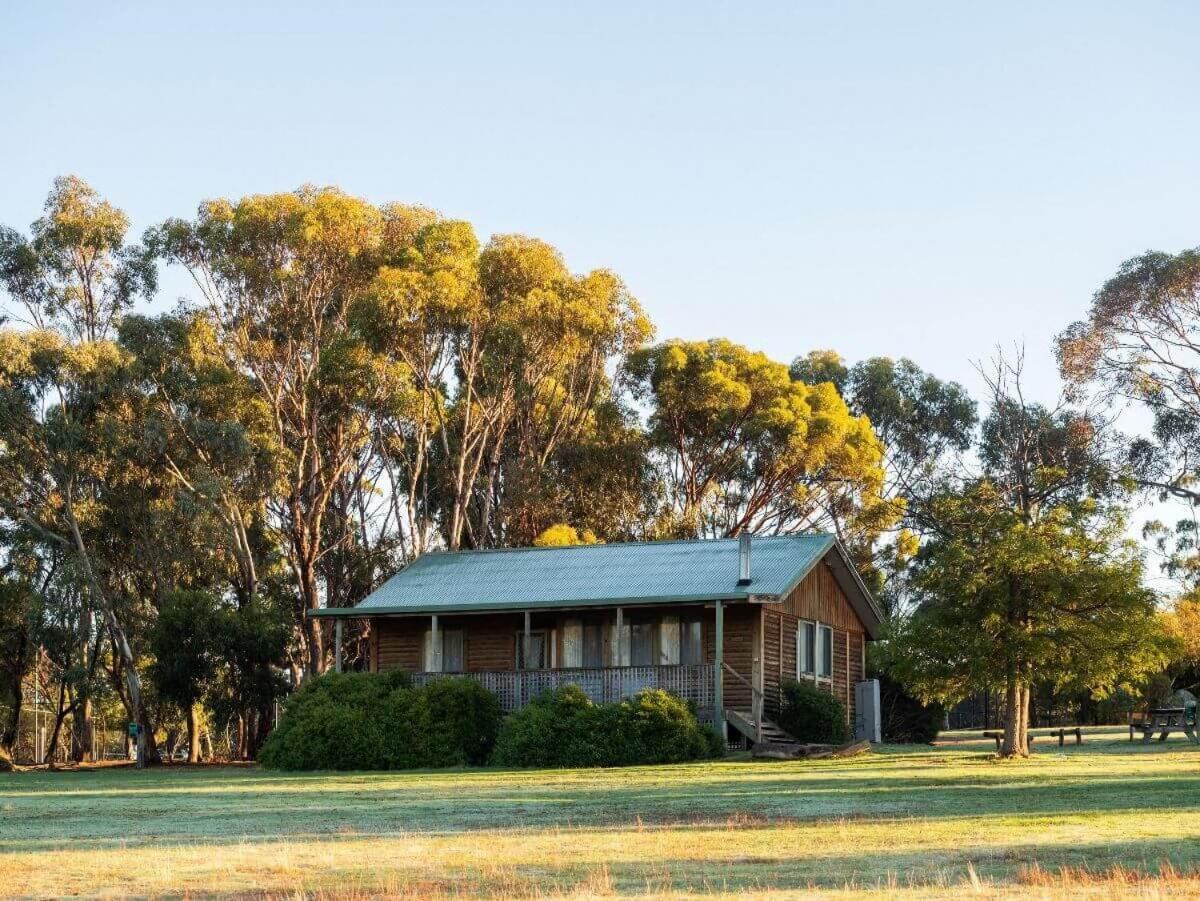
<point>919,179</point>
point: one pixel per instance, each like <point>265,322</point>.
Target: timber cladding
<point>819,597</point>
<point>398,644</point>
<point>741,636</point>
<point>490,642</point>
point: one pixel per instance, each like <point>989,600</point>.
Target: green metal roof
<point>606,574</point>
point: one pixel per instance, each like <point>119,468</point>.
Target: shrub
<point>463,720</point>
<point>364,721</point>
<point>811,715</point>
<point>904,719</point>
<point>565,728</point>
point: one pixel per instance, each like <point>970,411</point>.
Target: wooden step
<point>744,722</point>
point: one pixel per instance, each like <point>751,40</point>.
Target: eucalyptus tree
<point>557,336</point>
<point>279,274</point>
<point>1026,574</point>
<point>744,447</point>
<point>508,355</point>
<point>1140,344</point>
<point>63,389</point>
<point>924,425</point>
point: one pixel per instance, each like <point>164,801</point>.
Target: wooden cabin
<point>721,623</point>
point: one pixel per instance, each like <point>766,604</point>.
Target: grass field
<point>1107,818</point>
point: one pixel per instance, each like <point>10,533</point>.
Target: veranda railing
<point>516,688</point>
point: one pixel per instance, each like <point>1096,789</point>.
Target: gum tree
<point>1026,574</point>
<point>63,390</point>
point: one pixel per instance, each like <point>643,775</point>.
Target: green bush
<point>463,720</point>
<point>364,721</point>
<point>811,715</point>
<point>566,729</point>
<point>905,720</point>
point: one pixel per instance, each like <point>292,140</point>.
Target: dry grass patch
<point>1107,817</point>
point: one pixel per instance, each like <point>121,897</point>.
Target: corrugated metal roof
<point>636,573</point>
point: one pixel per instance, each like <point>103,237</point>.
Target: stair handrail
<point>756,700</point>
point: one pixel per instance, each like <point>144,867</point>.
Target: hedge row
<point>565,728</point>
<point>362,721</point>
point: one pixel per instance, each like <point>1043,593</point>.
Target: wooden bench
<point>1060,732</point>
<point>1063,731</point>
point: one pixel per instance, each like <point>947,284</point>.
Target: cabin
<point>721,623</point>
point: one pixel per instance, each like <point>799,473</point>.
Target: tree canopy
<point>349,385</point>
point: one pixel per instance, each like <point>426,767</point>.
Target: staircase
<point>770,733</point>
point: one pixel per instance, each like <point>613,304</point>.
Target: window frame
<point>824,651</point>
<point>545,635</point>
<point>691,645</point>
<point>427,641</point>
<point>821,650</point>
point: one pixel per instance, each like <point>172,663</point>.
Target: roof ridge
<point>603,544</point>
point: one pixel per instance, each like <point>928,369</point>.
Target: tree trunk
<point>81,732</point>
<point>1016,714</point>
<point>265,723</point>
<point>238,751</point>
<point>193,730</point>
<point>1026,694</point>
<point>133,684</point>
<point>207,745</point>
<point>12,726</point>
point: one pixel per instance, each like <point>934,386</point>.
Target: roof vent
<point>744,558</point>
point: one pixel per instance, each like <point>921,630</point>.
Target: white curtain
<point>573,643</point>
<point>427,659</point>
<point>668,640</point>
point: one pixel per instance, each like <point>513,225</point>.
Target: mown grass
<point>1105,818</point>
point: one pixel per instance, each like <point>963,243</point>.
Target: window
<point>824,652</point>
<point>453,656</point>
<point>641,644</point>
<point>814,650</point>
<point>806,649</point>
<point>691,643</point>
<point>537,650</point>
<point>582,644</point>
<point>668,641</point>
<point>593,644</point>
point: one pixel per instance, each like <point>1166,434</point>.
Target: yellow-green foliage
<point>564,535</point>
<point>753,444</point>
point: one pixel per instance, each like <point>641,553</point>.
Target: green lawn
<point>918,819</point>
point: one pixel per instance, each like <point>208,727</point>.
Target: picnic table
<point>1165,720</point>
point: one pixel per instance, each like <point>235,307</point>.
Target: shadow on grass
<point>169,816</point>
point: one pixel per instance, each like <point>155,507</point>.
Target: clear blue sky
<point>902,179</point>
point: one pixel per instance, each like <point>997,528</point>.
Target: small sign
<point>133,730</point>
